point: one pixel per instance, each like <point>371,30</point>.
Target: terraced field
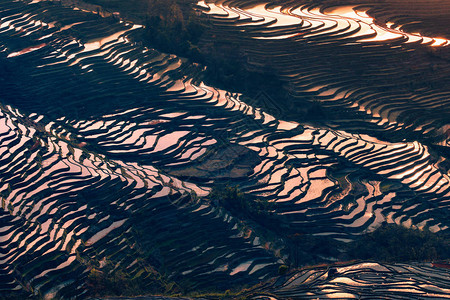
<point>109,151</point>
<point>364,281</point>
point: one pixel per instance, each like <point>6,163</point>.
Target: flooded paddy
<point>110,151</point>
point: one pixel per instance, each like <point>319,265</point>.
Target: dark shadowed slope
<point>99,134</point>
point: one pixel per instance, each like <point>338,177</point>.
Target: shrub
<point>395,243</point>
<point>282,270</point>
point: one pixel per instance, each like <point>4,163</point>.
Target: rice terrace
<point>224,149</point>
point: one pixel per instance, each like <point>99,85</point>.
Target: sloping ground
<point>69,209</point>
<point>99,135</point>
<point>425,16</point>
<point>371,78</point>
<point>366,280</point>
<point>340,57</point>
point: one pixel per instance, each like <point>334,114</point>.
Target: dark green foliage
<point>244,205</point>
<point>171,27</point>
<point>307,249</point>
<point>109,284</point>
<point>394,243</point>
<point>174,37</point>
<point>116,282</point>
<point>282,270</point>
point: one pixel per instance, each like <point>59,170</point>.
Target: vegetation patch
<point>240,203</point>
<point>396,243</point>
<point>112,281</point>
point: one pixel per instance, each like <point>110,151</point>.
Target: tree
<point>395,243</point>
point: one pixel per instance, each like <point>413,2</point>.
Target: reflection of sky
<point>337,20</point>
<point>26,50</point>
<point>97,44</point>
<point>382,33</point>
